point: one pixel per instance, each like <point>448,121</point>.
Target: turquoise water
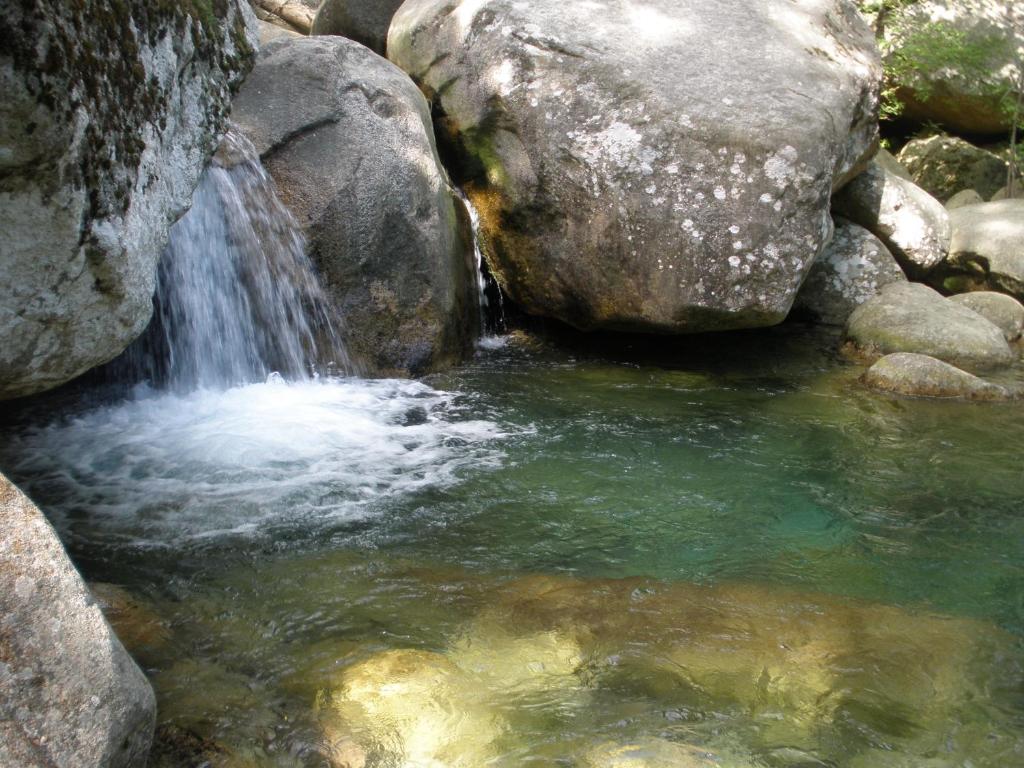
<point>696,552</point>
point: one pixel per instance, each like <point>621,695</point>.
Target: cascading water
<point>237,298</point>
<point>243,420</point>
<point>492,313</point>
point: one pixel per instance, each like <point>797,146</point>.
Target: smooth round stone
<point>1001,310</point>
<point>906,373</point>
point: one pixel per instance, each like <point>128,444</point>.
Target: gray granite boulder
<point>945,165</point>
<point>348,140</point>
<point>987,250</point>
<point>852,269</point>
<point>70,695</point>
<point>1003,311</point>
<point>910,317</point>
<point>906,373</point>
<point>913,225</point>
<point>962,198</point>
<point>109,113</point>
<point>663,166</point>
<point>365,21</point>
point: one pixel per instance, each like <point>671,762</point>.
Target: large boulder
<point>913,225</point>
<point>610,156</point>
<point>365,21</point>
<point>910,317</point>
<point>956,62</point>
<point>944,165</point>
<point>852,269</point>
<point>347,138</point>
<point>109,113</point>
<point>1004,312</point>
<point>70,695</point>
<point>906,373</point>
<point>987,250</point>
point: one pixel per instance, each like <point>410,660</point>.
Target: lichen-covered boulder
<point>109,113</point>
<point>910,317</point>
<point>70,695</point>
<point>851,269</point>
<point>956,62</point>
<point>1004,312</point>
<point>987,249</point>
<point>608,148</point>
<point>348,140</point>
<point>945,165</point>
<point>365,21</point>
<point>906,373</point>
<point>913,225</point>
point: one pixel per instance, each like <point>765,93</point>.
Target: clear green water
<point>709,552</point>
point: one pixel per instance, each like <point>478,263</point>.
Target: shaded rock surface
<point>962,198</point>
<point>603,150</point>
<point>348,140</point>
<point>960,91</point>
<point>365,21</point>
<point>945,165</point>
<point>913,225</point>
<point>910,317</point>
<point>906,373</point>
<point>1001,310</point>
<point>70,695</point>
<point>110,111</point>
<point>852,269</point>
<point>987,249</point>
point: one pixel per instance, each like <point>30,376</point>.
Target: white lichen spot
<point>735,261</point>
<point>672,169</point>
<point>737,245</point>
<point>720,193</point>
<point>734,229</point>
<point>780,166</point>
<point>766,198</point>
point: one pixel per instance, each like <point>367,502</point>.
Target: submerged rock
<point>109,113</point>
<point>913,225</point>
<point>910,317</point>
<point>70,695</point>
<point>987,250</point>
<point>906,373</point>
<point>853,268</point>
<point>1003,311</point>
<point>650,753</point>
<point>603,153</point>
<point>945,165</point>
<point>348,140</point>
<point>365,21</point>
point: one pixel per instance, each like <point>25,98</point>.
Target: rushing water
<point>718,552</point>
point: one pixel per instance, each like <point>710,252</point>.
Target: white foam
<point>164,467</point>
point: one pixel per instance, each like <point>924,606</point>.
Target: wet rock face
<point>907,373</point>
<point>110,110</point>
<point>348,140</point>
<point>609,153</point>
<point>70,695</point>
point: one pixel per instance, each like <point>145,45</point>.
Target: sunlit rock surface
<point>610,153</point>
<point>1001,310</point>
<point>907,373</point>
<point>987,249</point>
<point>109,113</point>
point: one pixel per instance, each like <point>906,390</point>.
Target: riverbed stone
<point>911,317</point>
<point>365,21</point>
<point>945,165</point>
<point>987,250</point>
<point>109,113</point>
<point>913,225</point>
<point>70,695</point>
<point>1003,311</point>
<point>604,155</point>
<point>962,198</point>
<point>348,140</point>
<point>907,373</point>
<point>852,269</point>
<point>963,97</point>
<point>649,753</point>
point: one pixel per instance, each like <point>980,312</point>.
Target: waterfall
<point>237,299</point>
<point>492,313</point>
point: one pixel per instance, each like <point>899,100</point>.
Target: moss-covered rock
<point>907,373</point>
<point>945,165</point>
<point>109,113</point>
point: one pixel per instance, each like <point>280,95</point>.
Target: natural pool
<point>702,552</point>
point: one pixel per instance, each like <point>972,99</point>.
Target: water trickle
<point>237,298</point>
<point>492,313</point>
